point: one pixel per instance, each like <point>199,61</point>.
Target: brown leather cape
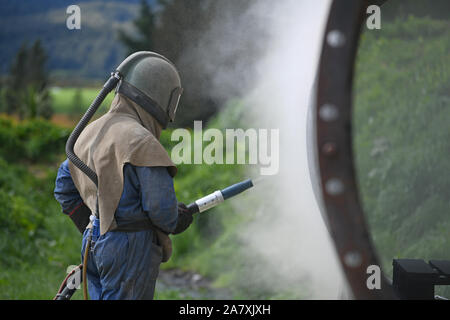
<point>126,134</point>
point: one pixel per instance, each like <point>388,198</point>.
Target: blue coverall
<point>125,265</point>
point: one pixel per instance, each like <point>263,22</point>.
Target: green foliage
<point>437,9</point>
<point>75,101</point>
<point>402,141</point>
<point>26,92</point>
<point>189,30</point>
<point>36,241</point>
<point>74,55</point>
<point>144,24</point>
<point>19,219</point>
<point>33,140</point>
<point>77,105</point>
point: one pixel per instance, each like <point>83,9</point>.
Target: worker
<point>135,198</point>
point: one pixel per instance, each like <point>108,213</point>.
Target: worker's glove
<point>184,218</point>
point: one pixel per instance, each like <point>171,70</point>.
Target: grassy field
<point>65,100</point>
<point>69,103</point>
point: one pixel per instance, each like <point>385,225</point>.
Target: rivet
<point>329,149</point>
<point>352,259</point>
<point>335,38</point>
<point>334,187</point>
<point>328,112</point>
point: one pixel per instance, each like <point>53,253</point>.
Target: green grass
<point>65,102</point>
<point>39,243</point>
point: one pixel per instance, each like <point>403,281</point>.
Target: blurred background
<point>244,64</point>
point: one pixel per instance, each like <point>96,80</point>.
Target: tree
<point>26,91</point>
<point>77,109</point>
<point>178,23</point>
<point>212,44</point>
<point>181,25</point>
<point>145,25</point>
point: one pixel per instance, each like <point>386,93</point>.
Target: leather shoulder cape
<point>126,134</point>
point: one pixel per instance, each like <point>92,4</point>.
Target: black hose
<point>107,88</point>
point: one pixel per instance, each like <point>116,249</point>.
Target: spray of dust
<point>299,247</point>
<point>288,234</point>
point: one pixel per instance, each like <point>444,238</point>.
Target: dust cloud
<point>288,232</point>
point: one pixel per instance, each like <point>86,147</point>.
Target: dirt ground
<point>189,285</point>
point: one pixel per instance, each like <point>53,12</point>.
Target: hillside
<point>91,52</point>
<point>94,51</point>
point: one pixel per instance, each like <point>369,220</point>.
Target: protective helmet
<point>153,82</point>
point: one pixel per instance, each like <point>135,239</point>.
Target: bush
<point>21,214</point>
<point>33,140</point>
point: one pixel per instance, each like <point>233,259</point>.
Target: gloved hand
<point>184,218</point>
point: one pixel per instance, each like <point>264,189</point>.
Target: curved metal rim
<point>346,220</point>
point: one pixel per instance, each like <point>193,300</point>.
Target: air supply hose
<point>107,88</point>
<point>109,85</point>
